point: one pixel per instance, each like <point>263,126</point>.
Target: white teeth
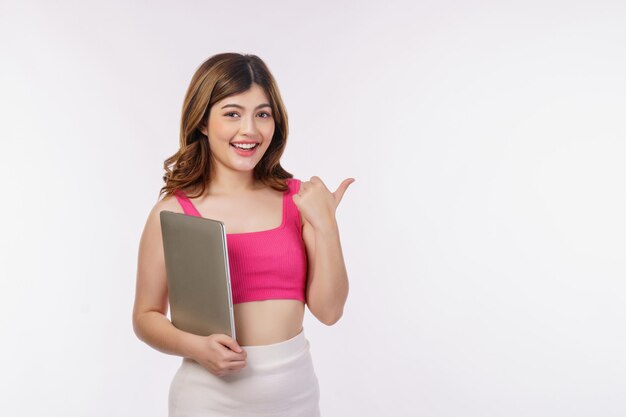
<point>245,146</point>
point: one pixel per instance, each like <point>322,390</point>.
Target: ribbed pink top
<point>268,264</point>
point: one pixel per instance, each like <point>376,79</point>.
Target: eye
<point>229,113</point>
<point>267,115</point>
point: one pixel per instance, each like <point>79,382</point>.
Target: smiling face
<point>235,124</point>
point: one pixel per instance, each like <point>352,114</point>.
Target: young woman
<point>283,248</point>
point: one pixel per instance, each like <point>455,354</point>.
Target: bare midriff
<point>268,321</point>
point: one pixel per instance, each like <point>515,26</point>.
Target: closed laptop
<point>198,274</point>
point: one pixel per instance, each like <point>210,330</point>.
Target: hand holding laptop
<point>219,354</point>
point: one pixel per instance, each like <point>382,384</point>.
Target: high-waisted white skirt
<point>278,380</point>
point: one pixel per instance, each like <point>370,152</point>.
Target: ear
<point>202,128</point>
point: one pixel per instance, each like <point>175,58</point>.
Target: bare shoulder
<point>152,230</point>
<point>169,203</point>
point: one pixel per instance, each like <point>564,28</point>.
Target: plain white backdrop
<point>484,235</point>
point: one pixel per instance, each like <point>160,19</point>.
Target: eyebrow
<point>241,107</point>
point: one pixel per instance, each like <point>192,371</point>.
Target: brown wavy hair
<point>218,77</point>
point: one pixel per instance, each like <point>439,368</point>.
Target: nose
<point>248,125</point>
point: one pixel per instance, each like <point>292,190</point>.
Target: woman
<point>283,248</point>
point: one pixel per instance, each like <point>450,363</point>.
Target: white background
<point>484,235</point>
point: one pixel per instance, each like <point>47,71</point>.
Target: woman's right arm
<point>219,353</point>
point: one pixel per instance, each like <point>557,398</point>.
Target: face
<point>235,124</point>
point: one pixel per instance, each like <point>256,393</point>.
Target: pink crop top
<point>268,264</point>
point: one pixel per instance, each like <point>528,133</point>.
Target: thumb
<point>230,343</point>
<point>342,189</point>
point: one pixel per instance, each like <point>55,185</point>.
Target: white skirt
<point>278,380</point>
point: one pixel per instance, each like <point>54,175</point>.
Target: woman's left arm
<point>327,279</point>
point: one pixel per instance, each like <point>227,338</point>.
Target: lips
<point>256,145</point>
<point>245,152</point>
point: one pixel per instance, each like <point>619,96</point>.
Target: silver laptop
<point>198,274</point>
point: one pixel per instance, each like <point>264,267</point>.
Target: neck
<point>230,182</point>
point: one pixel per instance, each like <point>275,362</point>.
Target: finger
<point>236,364</point>
<point>235,356</point>
<point>304,185</point>
<point>318,181</point>
<point>230,343</point>
<point>342,189</point>
<point>229,360</point>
